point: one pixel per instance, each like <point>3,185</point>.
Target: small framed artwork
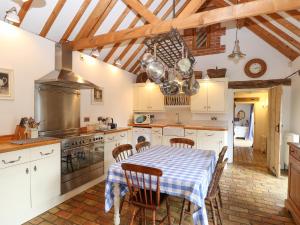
<point>97,96</point>
<point>6,84</point>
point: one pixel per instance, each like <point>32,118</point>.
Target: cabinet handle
<point>35,168</point>
<point>13,161</point>
<point>27,171</point>
<point>48,153</point>
<point>189,133</point>
<point>209,135</point>
<point>122,135</point>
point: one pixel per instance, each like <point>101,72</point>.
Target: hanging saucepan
<point>146,59</point>
<point>184,65</point>
<point>156,69</point>
<point>190,87</point>
<point>170,88</point>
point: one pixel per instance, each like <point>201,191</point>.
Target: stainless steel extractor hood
<point>63,75</point>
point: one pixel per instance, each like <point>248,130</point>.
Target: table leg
<point>117,203</point>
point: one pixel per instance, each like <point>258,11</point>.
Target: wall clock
<point>255,68</point>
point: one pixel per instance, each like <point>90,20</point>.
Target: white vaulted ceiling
<point>115,15</point>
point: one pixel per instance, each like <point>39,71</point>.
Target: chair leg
<point>168,211</point>
<point>121,204</point>
<point>189,208</point>
<point>220,196</point>
<point>219,211</point>
<point>153,217</point>
<point>144,217</point>
<point>133,215</point>
<point>182,212</point>
<point>213,212</point>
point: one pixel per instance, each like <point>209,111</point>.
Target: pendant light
<point>11,16</point>
<point>236,52</point>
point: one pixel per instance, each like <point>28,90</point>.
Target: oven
<point>82,160</point>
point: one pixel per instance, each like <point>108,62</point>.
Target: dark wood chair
<point>144,197</point>
<point>122,152</point>
<point>142,146</point>
<point>212,195</point>
<point>220,160</point>
<point>182,142</point>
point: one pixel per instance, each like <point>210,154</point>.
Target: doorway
<point>251,119</point>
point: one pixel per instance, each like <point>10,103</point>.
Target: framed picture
<point>6,84</point>
<point>97,96</point>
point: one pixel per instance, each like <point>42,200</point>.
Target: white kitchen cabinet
<point>14,194</point>
<point>45,180</point>
<point>147,98</point>
<point>211,140</point>
<point>156,136</point>
<point>29,179</point>
<point>192,135</point>
<point>211,97</point>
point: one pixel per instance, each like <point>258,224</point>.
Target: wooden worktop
<point>8,147</point>
<point>185,126</point>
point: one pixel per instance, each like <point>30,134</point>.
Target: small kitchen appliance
<point>141,118</point>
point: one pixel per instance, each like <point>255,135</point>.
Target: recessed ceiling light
<point>12,15</point>
<point>118,62</point>
<point>95,53</point>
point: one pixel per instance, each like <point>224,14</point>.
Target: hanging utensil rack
<point>169,47</point>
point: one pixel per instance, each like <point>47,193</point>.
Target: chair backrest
<point>122,152</point>
<point>214,184</point>
<point>182,142</point>
<point>222,154</point>
<point>142,193</point>
<point>142,146</point>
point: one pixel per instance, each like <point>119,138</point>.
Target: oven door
<point>97,160</point>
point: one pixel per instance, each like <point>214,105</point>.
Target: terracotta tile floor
<point>248,156</point>
<point>250,196</point>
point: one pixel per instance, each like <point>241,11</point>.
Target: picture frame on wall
<point>6,84</point>
<point>97,96</point>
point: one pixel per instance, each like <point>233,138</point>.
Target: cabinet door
<point>142,99</point>
<point>14,194</point>
<point>216,97</point>
<point>199,101</point>
<point>108,158</point>
<point>45,180</point>
<point>209,140</point>
<point>156,98</point>
<point>135,98</point>
<point>156,139</point>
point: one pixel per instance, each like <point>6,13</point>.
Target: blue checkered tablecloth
<point>186,174</point>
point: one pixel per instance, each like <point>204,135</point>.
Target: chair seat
<point>141,199</point>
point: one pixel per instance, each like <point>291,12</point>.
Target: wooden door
<point>45,180</point>
<point>14,194</point>
<point>199,101</point>
<point>274,137</point>
<point>216,97</point>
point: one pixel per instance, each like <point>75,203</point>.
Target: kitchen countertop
<point>8,147</point>
<point>185,126</point>
<point>120,129</point>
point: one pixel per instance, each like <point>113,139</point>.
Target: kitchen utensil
<point>146,59</point>
<point>156,69</point>
<point>170,88</point>
<point>184,65</point>
<point>190,87</point>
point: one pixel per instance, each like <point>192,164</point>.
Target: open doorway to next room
<point>251,127</point>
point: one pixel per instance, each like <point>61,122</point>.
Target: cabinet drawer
<point>157,131</point>
<point>110,137</point>
<point>211,134</point>
<point>44,151</point>
<point>14,158</point>
<point>122,135</point>
<point>190,132</point>
<point>295,153</point>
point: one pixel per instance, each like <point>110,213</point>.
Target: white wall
<point>295,112</point>
<point>117,84</point>
<point>32,57</point>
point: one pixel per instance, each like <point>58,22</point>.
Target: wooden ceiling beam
<point>191,8</point>
<point>93,19</point>
<point>278,31</point>
<point>295,14</point>
<point>59,5</point>
<point>142,11</point>
<point>206,18</point>
<point>132,57</point>
<point>258,83</point>
<point>23,11</point>
<point>132,24</point>
<point>271,39</point>
<point>285,23</point>
<point>75,20</point>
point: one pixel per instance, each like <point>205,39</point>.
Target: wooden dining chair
<point>122,152</point>
<point>220,160</point>
<point>212,195</point>
<point>145,197</point>
<point>142,146</point>
<point>182,142</point>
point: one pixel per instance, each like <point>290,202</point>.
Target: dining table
<point>187,174</point>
